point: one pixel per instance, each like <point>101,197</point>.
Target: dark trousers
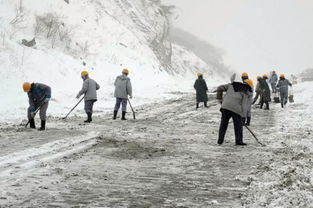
<point>118,103</point>
<point>283,98</point>
<point>226,115</point>
<point>89,105</point>
<point>267,105</point>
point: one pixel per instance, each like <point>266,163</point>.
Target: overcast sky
<point>257,35</point>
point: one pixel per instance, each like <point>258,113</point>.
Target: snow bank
<point>285,180</point>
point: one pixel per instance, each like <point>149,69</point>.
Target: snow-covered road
<point>166,158</point>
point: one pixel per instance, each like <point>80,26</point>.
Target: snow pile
<point>285,180</point>
<point>102,37</point>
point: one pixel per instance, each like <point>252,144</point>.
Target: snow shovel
<point>73,108</point>
<point>134,116</point>
<point>263,145</point>
<point>291,100</point>
<point>36,111</point>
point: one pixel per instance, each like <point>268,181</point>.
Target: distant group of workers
<point>39,96</point>
<point>238,99</point>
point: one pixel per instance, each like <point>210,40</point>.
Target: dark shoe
<point>219,142</point>
<point>197,105</point>
<point>32,123</point>
<point>206,105</point>
<point>89,119</point>
<point>114,115</point>
<point>123,115</point>
<point>242,144</point>
<point>43,126</point>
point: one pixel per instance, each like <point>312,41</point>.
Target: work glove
<point>130,97</point>
<point>47,100</point>
<point>77,96</point>
<point>32,114</point>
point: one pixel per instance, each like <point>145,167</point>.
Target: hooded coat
<point>201,89</point>
<point>273,79</point>
<point>123,87</point>
<point>236,98</point>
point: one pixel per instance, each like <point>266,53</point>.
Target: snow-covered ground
<point>168,157</point>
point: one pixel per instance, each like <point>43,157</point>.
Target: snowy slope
<point>99,36</point>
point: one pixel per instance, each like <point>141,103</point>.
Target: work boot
<point>123,115</point>
<point>267,106</point>
<point>261,105</point>
<point>89,119</point>
<point>248,121</point>
<point>32,123</point>
<point>197,105</point>
<point>114,115</point>
<point>43,126</point>
<point>205,104</point>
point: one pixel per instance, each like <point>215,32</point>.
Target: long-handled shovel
<point>73,108</point>
<point>134,116</point>
<point>36,111</point>
<point>254,136</point>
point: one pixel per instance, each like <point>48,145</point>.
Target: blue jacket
<point>38,92</point>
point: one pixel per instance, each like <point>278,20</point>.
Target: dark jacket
<point>38,92</point>
<point>264,90</point>
<point>201,89</point>
<point>236,98</point>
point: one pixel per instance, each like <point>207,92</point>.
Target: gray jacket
<point>273,79</point>
<point>89,88</point>
<point>283,85</point>
<point>236,98</point>
<point>123,87</point>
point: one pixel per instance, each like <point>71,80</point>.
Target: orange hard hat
<point>26,86</point>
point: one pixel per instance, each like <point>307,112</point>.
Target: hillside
<point>51,41</point>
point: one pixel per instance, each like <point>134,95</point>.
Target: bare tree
<point>19,14</point>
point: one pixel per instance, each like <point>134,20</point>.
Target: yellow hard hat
<point>245,74</point>
<point>26,86</point>
<point>249,82</point>
<point>282,76</point>
<point>265,76</point>
<point>83,73</point>
<point>125,71</point>
<point>199,74</point>
<point>258,77</point>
